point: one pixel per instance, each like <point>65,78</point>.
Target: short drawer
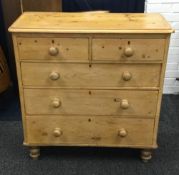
<point>53,48</point>
<point>128,49</point>
<point>91,102</point>
<point>61,130</point>
<point>96,75</point>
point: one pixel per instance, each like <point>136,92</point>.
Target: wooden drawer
<point>98,75</point>
<point>53,48</point>
<point>91,102</point>
<point>94,131</point>
<point>128,49</point>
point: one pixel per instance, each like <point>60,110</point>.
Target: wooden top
<point>52,22</point>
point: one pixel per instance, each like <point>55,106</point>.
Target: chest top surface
<point>56,22</point>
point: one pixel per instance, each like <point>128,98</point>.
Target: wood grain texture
<point>161,89</point>
<point>21,92</point>
<point>91,102</point>
<point>115,49</point>
<point>67,48</point>
<point>81,75</point>
<point>89,79</point>
<point>91,23</point>
<point>91,131</point>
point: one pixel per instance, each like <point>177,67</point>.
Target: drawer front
<point>128,49</point>
<point>91,102</point>
<point>53,48</point>
<point>98,75</point>
<point>56,130</point>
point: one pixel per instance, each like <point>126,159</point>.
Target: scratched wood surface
<point>91,79</point>
<point>89,131</point>
<point>90,23</point>
<point>91,102</point>
<point>81,75</point>
<point>68,48</point>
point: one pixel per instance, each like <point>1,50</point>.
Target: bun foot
<point>146,155</point>
<point>34,153</point>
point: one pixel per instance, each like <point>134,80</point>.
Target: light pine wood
<point>161,88</point>
<point>34,152</point>
<point>89,130</point>
<point>53,48</point>
<point>146,155</point>
<point>91,23</point>
<point>91,102</point>
<point>20,86</point>
<point>127,49</point>
<point>91,79</point>
<point>122,132</point>
<point>94,75</point>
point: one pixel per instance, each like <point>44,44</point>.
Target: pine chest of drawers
<point>91,79</point>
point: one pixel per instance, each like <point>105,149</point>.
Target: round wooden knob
<point>54,76</point>
<point>126,76</point>
<point>53,51</point>
<point>122,132</point>
<point>57,132</point>
<point>128,52</point>
<point>124,104</point>
<point>56,103</point>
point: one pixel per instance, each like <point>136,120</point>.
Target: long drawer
<point>91,102</point>
<point>96,75</point>
<point>61,130</point>
<point>128,49</point>
<point>53,48</point>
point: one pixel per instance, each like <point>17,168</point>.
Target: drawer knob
<point>124,104</point>
<point>53,51</point>
<point>54,76</point>
<point>128,52</point>
<point>122,132</point>
<point>126,76</point>
<point>57,132</point>
<point>56,103</point>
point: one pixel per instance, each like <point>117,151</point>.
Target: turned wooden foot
<point>146,155</point>
<point>34,153</point>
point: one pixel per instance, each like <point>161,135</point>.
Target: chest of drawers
<point>90,79</point>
